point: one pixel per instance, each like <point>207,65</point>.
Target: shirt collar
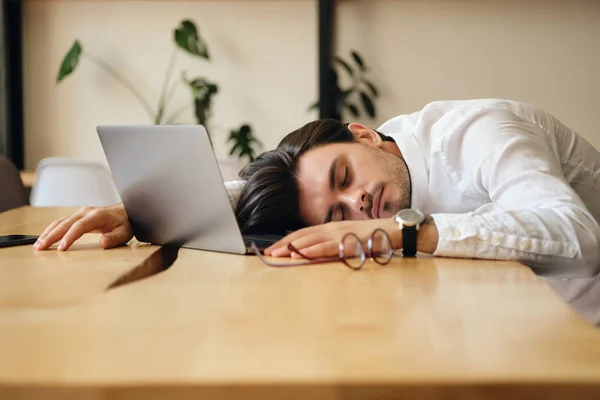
<point>419,179</point>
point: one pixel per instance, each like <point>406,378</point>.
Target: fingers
<point>50,228</point>
<point>278,251</point>
<point>281,247</point>
<point>56,231</point>
<point>119,236</point>
<point>301,243</point>
<point>282,244</point>
<point>111,221</point>
<point>323,249</point>
<point>89,223</point>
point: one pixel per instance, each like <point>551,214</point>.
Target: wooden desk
<point>224,326</point>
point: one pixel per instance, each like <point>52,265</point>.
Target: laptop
<point>171,186</point>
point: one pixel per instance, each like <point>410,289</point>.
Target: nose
<point>356,201</point>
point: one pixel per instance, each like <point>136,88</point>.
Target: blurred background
<point>264,59</point>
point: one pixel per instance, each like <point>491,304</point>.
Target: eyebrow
<point>332,169</point>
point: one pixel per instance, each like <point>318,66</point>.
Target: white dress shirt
<point>504,180</point>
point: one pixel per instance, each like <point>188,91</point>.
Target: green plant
<point>359,92</point>
<point>243,142</point>
<point>188,39</point>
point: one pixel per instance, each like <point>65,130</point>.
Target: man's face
<point>351,181</point>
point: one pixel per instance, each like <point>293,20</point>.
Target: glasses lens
<point>354,254</point>
<point>381,247</point>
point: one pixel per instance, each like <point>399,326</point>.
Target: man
<point>495,179</point>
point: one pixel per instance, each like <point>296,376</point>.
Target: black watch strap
<point>409,241</point>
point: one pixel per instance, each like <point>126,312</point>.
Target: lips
<point>376,208</point>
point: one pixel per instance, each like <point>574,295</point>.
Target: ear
<point>365,134</point>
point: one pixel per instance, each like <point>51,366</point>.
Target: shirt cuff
<point>457,235</point>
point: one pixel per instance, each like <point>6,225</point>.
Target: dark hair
<point>269,201</point>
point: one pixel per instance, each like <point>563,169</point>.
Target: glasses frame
<point>365,253</point>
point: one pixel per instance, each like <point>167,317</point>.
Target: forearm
<point>560,241</point>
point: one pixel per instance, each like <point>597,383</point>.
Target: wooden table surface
<point>90,323</point>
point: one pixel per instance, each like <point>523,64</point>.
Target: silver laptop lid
<point>171,186</point>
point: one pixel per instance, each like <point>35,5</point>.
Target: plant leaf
<point>314,106</point>
<point>353,109</point>
<point>347,93</point>
<point>187,38</point>
<point>368,104</point>
<point>203,91</point>
<point>243,140</point>
<point>372,87</point>
<point>70,61</point>
<point>344,64</point>
<point>359,60</point>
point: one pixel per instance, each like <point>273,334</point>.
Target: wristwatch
<point>409,220</point>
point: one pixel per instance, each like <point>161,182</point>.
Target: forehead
<point>322,155</point>
<point>313,166</point>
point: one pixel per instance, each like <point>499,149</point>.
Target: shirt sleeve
<point>533,216</point>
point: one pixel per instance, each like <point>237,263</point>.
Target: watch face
<point>409,216</point>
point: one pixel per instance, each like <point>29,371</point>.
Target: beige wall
<point>263,52</point>
<point>543,52</point>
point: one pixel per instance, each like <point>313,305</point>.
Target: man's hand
<point>323,240</point>
<point>111,221</point>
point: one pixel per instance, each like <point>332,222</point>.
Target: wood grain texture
<point>226,326</point>
<point>50,279</point>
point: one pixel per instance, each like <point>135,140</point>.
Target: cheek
<point>310,208</point>
<point>369,172</point>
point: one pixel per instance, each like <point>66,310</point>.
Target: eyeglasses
<point>351,252</point>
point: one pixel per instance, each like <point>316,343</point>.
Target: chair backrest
<point>12,191</point>
<point>72,182</point>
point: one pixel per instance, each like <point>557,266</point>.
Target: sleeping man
<point>490,179</point>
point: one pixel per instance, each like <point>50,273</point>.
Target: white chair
<point>72,182</point>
